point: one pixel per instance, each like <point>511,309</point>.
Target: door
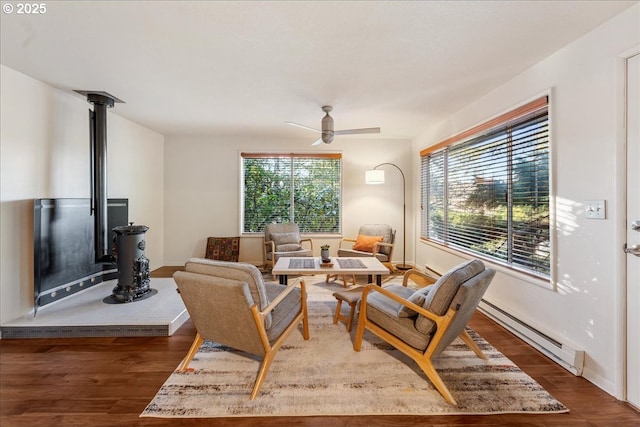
<point>633,231</point>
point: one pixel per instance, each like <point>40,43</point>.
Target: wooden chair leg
<point>472,345</point>
<point>337,315</point>
<point>345,280</point>
<point>352,311</point>
<point>390,266</point>
<point>262,374</point>
<point>197,342</point>
<point>362,320</point>
<point>305,317</point>
<point>435,379</point>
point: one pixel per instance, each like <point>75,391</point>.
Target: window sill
<point>304,235</point>
<point>531,278</point>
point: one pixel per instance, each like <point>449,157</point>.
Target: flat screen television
<point>64,252</point>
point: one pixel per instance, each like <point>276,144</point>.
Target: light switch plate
<point>595,209</point>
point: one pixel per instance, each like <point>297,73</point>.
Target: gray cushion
<point>284,313</point>
<point>383,311</point>
<point>297,254</point>
<point>289,247</point>
<point>418,298</point>
<point>442,292</point>
<point>285,238</point>
<point>353,253</point>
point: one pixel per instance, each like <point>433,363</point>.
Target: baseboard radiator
<point>565,355</point>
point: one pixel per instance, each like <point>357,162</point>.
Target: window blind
<point>488,192</point>
<point>300,188</point>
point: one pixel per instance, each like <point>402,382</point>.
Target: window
<point>300,188</point>
<point>486,191</point>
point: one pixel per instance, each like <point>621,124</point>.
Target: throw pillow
<point>223,248</point>
<point>418,298</point>
<point>365,243</point>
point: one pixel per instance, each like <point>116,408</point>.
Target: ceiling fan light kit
<point>327,132</point>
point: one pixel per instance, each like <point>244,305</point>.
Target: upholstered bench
<point>352,297</point>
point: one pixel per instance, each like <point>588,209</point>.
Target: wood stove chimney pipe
<point>98,134</point>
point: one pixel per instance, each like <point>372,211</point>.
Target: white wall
<point>202,190</point>
<point>585,82</point>
<point>44,152</point>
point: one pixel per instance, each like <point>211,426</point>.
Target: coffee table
<point>287,266</point>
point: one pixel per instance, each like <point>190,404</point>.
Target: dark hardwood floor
<point>93,382</point>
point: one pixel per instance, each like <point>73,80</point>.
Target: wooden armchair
<point>284,240</point>
<point>376,240</point>
<point>422,323</point>
<point>230,304</point>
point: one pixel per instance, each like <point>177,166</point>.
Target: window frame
<point>537,104</point>
<point>291,156</point>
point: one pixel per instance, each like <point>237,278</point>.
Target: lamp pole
<point>402,266</point>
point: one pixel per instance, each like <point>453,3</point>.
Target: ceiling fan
<point>327,128</point>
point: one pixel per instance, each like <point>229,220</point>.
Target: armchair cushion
<point>352,253</point>
<point>284,313</point>
<point>285,238</point>
<point>418,298</point>
<point>289,247</point>
<point>286,242</point>
<point>442,292</point>
<point>383,311</point>
<point>366,243</point>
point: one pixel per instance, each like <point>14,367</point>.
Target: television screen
<point>64,253</point>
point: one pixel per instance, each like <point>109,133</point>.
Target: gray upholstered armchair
<point>422,323</point>
<point>230,304</point>
<point>284,240</point>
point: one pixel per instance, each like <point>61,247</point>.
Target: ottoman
<point>352,297</point>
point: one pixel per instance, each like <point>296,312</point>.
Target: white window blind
<point>487,191</point>
<point>300,188</point>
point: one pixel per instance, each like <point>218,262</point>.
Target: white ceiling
<point>227,67</point>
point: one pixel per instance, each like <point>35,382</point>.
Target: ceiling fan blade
<point>302,126</point>
<point>355,131</point>
<point>317,141</point>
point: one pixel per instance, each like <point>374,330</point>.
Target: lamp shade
<point>374,176</point>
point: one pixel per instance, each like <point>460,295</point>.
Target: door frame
<point>620,328</point>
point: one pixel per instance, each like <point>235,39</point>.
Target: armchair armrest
<point>264,249</point>
<point>418,273</point>
<point>420,310</point>
<point>307,240</point>
<point>277,300</point>
<point>378,245</point>
<point>346,239</point>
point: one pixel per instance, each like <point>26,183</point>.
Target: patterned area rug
<point>324,376</point>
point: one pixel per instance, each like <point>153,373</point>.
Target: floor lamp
<point>376,176</point>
